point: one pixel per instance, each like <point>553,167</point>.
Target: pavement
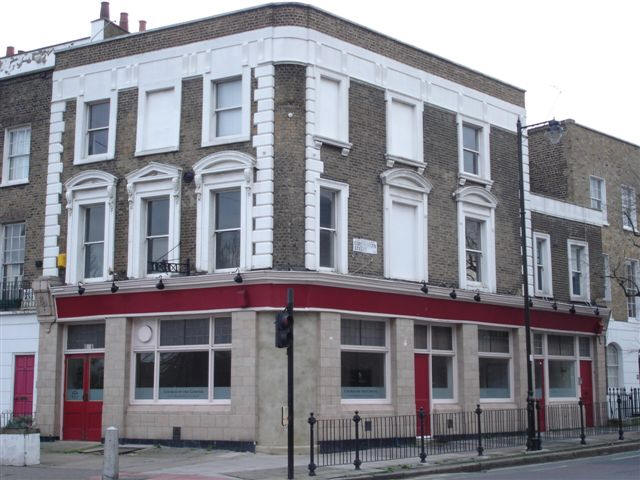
<point>83,461</point>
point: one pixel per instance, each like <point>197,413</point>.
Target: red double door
<point>23,385</point>
<point>84,376</point>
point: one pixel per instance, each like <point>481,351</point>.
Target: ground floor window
<point>562,378</point>
<point>442,377</point>
<point>494,351</point>
<point>612,366</point>
<point>437,342</point>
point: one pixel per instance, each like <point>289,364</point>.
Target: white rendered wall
<point>626,335</point>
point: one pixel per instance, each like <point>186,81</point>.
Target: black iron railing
<point>16,295</point>
<point>9,419</point>
<point>630,399</point>
<point>170,267</point>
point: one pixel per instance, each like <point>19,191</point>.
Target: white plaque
<point>363,245</point>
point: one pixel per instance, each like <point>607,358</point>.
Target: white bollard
<point>111,467</point>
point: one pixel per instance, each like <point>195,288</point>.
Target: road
<point>619,466</point>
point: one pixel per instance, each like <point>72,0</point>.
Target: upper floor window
<point>332,200</point>
<point>473,150</point>
<point>154,218</point>
<point>90,226</point>
<point>332,108</point>
<point>13,241</point>
<point>405,224</point>
<point>473,233</point>
<point>542,271</point>
<point>223,220</point>
<point>578,270</point>
<point>95,138</point>
<point>631,288</point>
<point>404,131</point>
<point>158,117</point>
<point>226,109</point>
<point>17,148</point>
<point>629,214</point>
<point>597,193</point>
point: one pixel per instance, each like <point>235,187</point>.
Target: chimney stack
<point>11,51</point>
<point>104,10</point>
<point>142,25</point>
<point>124,21</point>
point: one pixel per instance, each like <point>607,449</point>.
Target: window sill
<point>245,137</point>
<point>543,295</point>
<point>153,151</point>
<point>629,229</point>
<point>463,177</point>
<point>345,146</point>
<point>581,298</point>
<point>12,183</point>
<point>393,159</point>
<point>485,401</point>
<point>364,401</point>
<point>93,158</point>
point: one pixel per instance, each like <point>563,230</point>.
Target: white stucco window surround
<point>474,161</point>
<point>228,173</point>
<point>579,284</point>
<point>476,206</point>
<point>91,190</point>
<point>331,215</point>
<point>404,131</point>
<point>158,126</point>
<point>332,110</point>
<point>405,224</point>
<point>543,284</point>
<point>95,137</point>
<point>155,181</point>
<point>226,106</point>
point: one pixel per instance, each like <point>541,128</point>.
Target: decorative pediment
<point>407,179</point>
<point>90,180</point>
<point>154,172</point>
<point>476,195</point>
<point>223,162</point>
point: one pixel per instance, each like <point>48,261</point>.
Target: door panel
<point>93,420</point>
<point>421,371</point>
<point>84,376</point>
<point>23,385</point>
<point>586,391</point>
<point>539,391</point>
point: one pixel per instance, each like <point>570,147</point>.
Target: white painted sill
<point>245,137</point>
<point>345,146</point>
<point>13,183</point>
<point>101,157</point>
<point>141,153</point>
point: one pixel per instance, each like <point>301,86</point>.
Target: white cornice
<point>567,211</point>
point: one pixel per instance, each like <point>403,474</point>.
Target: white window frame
<point>209,80</point>
<point>618,364</point>
<point>153,346</point>
<point>635,301</point>
<point>502,356</point>
<point>370,349</point>
<point>67,350</point>
<point>342,120</point>
<point>633,207</point>
<point>477,203</point>
<point>342,214</point>
<point>585,280</point>
<point>440,353</point>
<point>484,151</point>
<point>547,279</point>
<point>216,172</point>
<point>83,103</point>
<point>417,159</point>
<point>575,358</point>
<point>152,181</point>
<point>6,160</point>
<point>402,185</point>
<point>2,251</point>
<point>173,144</point>
<point>91,187</point>
<point>603,191</point>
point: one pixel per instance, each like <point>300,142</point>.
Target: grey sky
<point>576,58</point>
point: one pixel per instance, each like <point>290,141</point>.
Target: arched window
<point>613,366</point>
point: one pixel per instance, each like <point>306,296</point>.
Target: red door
<point>83,397</point>
<point>421,372</point>
<point>23,385</point>
<point>586,391</point>
<point>539,392</point>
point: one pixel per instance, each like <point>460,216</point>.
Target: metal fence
<point>16,295</point>
<point>630,401</point>
<point>18,420</point>
<point>360,439</point>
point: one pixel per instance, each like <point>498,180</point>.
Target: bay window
<point>494,352</point>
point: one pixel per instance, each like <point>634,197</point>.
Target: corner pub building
<point>284,147</point>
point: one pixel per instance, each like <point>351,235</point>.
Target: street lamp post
<point>554,133</point>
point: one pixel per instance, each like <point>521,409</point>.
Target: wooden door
<point>586,391</point>
<point>84,376</point>
<point>23,385</point>
<point>421,372</point>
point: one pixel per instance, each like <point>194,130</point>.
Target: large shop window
<point>494,352</point>
<point>154,218</point>
<point>404,131</point>
<point>441,349</point>
<point>90,227</point>
<point>405,224</point>
<point>332,198</point>
<point>158,117</point>
<point>16,155</point>
<point>364,360</point>
<point>189,361</point>
<point>223,220</point>
<point>226,108</point>
<point>542,271</point>
<point>562,371</point>
<point>578,270</point>
<point>95,137</point>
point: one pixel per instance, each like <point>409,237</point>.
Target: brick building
<point>283,147</point>
<point>599,175</point>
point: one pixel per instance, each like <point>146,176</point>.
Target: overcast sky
<point>576,59</point>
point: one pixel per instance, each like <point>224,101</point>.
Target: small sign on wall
<point>363,245</point>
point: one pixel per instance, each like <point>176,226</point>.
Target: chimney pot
<point>11,51</point>
<point>124,21</point>
<point>143,25</point>
<point>104,10</point>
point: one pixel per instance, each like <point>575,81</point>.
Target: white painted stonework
<point>626,337</point>
<point>568,211</point>
<point>19,450</point>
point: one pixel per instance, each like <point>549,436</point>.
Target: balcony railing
<point>16,295</point>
